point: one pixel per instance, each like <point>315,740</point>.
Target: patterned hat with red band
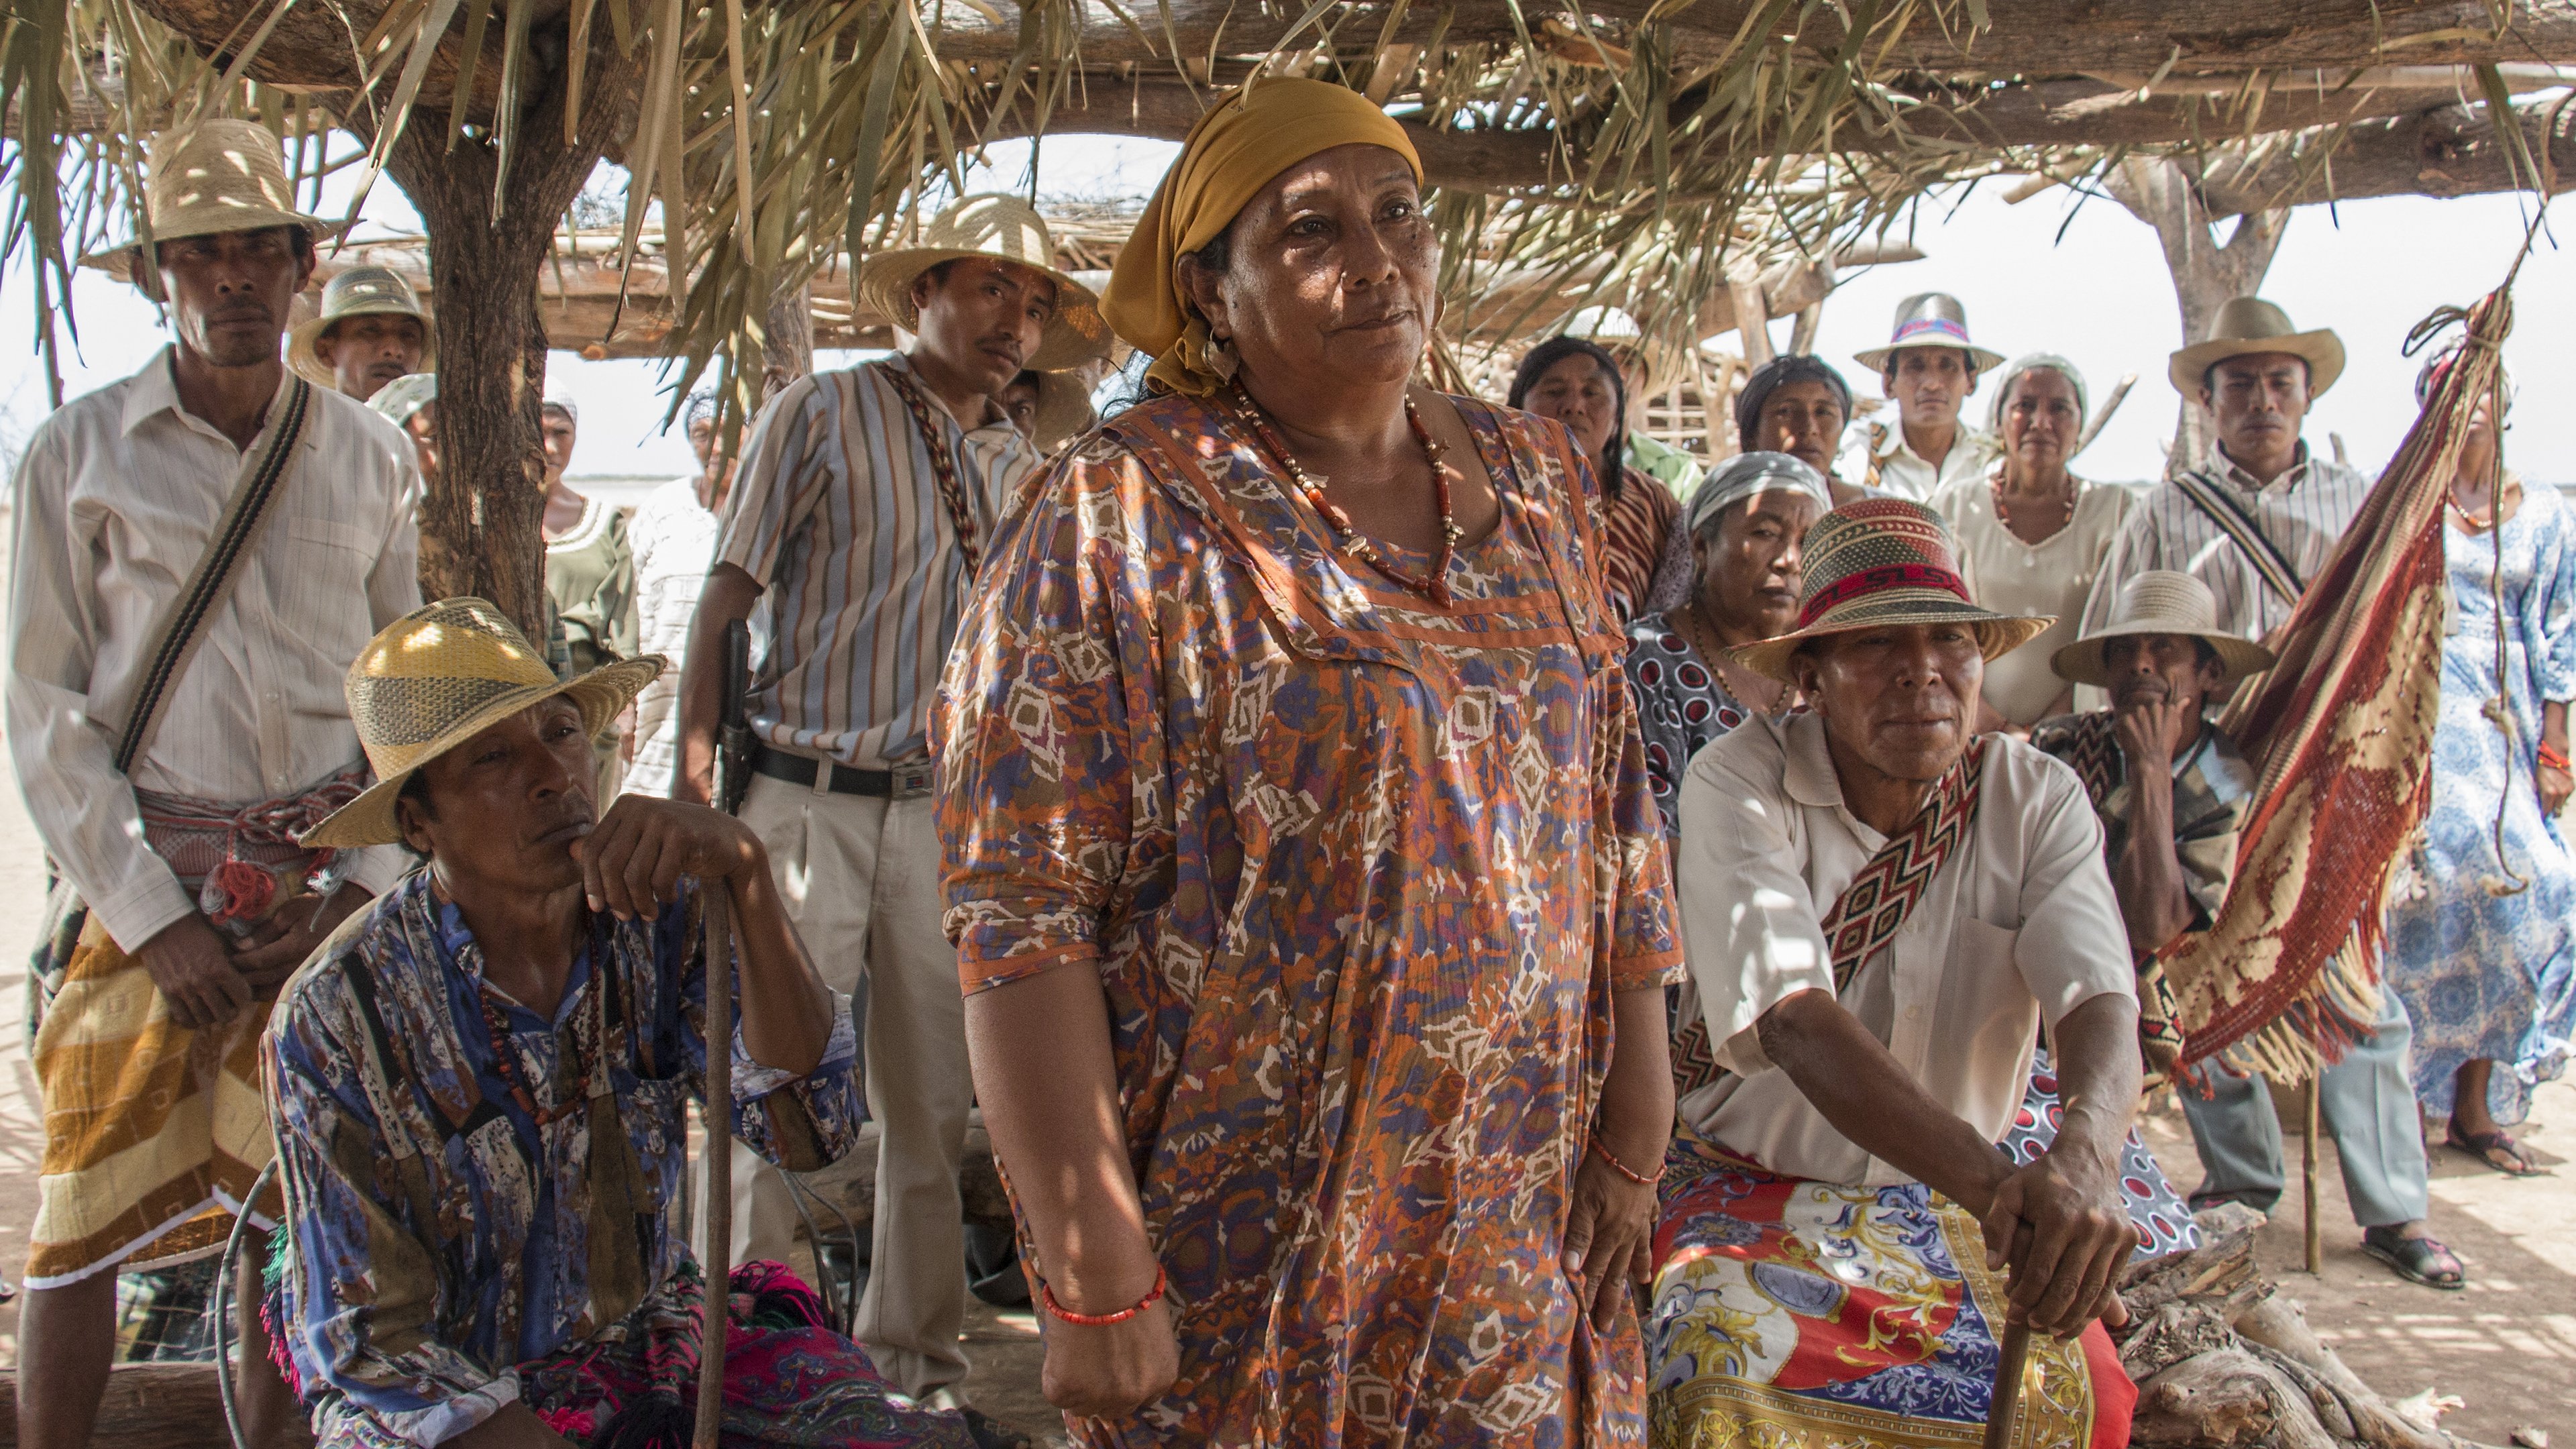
<point>1876,562</point>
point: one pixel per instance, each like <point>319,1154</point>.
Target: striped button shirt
<point>2304,512</point>
<point>837,515</point>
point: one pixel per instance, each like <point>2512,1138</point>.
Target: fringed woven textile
<point>2341,731</point>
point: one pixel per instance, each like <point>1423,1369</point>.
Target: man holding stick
<point>481,1087</point>
<point>1880,913</point>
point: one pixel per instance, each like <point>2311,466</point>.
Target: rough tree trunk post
<point>787,340</point>
<point>479,524</point>
<point>2166,196</point>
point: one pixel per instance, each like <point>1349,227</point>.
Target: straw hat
<point>2160,601</point>
<point>1929,319</point>
<point>1876,562</point>
<point>358,292</point>
<point>991,226</point>
<point>214,176</point>
<point>404,397</point>
<point>2248,325</point>
<point>437,677</point>
<point>1618,332</point>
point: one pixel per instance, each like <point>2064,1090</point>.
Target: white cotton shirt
<point>113,505</point>
<point>1883,458</point>
<point>2053,577</point>
<point>2018,928</point>
<point>674,538</point>
<point>2304,512</point>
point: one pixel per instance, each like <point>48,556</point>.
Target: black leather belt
<point>905,782</point>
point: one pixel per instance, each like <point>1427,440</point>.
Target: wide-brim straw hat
<point>1930,319</point>
<point>1884,562</point>
<point>358,292</point>
<point>2160,601</point>
<point>214,176</point>
<point>1002,227</point>
<point>1064,409</point>
<point>437,677</point>
<point>2249,325</point>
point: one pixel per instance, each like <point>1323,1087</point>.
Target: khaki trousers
<point>860,878</point>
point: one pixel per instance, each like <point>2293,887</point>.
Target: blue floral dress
<point>2485,975</point>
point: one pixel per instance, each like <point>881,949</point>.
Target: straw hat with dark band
<point>2160,601</point>
<point>437,677</point>
<point>2247,326</point>
<point>215,176</point>
<point>1876,563</point>
<point>1001,228</point>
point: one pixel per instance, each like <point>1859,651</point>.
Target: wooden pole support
<point>716,909</point>
<point>2308,1172</point>
<point>2003,1405</point>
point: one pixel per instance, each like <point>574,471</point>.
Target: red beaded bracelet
<point>1046,1291</point>
<point>1623,1169</point>
<point>2552,758</point>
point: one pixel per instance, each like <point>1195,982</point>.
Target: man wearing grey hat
<point>1928,368</point>
<point>2258,519</point>
<point>370,331</point>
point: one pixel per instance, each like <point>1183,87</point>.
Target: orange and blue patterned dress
<point>1359,875</point>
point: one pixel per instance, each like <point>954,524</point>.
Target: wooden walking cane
<point>2308,1166</point>
<point>715,905</point>
<point>2003,1405</point>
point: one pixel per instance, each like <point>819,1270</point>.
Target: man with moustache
<point>2253,524</point>
<point>1928,368</point>
<point>2168,783</point>
<point>370,331</point>
<point>1880,909</point>
<point>180,836</point>
<point>865,500</point>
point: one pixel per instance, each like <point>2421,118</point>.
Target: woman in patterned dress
<point>1744,529</point>
<point>2488,971</point>
<point>1300,858</point>
<point>1577,382</point>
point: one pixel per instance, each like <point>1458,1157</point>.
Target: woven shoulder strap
<point>2250,540</point>
<point>178,632</point>
<point>943,467</point>
<point>1870,910</point>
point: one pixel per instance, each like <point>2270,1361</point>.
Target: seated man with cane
<point>1880,911</point>
<point>480,1088</point>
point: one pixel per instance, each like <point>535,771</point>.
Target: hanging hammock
<point>2341,733</point>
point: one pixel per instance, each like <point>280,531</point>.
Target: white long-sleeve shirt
<point>113,504</point>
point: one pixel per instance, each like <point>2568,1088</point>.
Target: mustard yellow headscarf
<point>1231,153</point>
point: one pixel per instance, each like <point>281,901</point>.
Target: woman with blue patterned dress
<point>2479,938</point>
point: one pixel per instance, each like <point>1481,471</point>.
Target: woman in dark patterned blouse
<point>1745,526</point>
<point>1577,383</point>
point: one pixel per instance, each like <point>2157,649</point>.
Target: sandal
<point>2496,1149</point>
<point>2417,1260</point>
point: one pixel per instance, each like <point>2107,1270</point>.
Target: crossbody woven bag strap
<point>943,467</point>
<point>2249,537</point>
<point>1870,910</point>
<point>183,627</point>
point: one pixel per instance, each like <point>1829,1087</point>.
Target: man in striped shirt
<point>856,523</point>
<point>2254,524</point>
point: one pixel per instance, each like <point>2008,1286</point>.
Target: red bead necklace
<point>1436,586</point>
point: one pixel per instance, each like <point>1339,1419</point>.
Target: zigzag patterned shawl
<point>1872,909</point>
<point>2341,731</point>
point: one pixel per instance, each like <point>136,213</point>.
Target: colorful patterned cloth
<point>2164,1223</point>
<point>439,1232</point>
<point>2489,976</point>
<point>1808,1315</point>
<point>1359,876</point>
<point>1681,705</point>
<point>1635,526</point>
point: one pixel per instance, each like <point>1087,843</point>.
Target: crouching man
<point>480,1087</point>
<point>1880,913</point>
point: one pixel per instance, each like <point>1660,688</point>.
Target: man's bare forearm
<point>725,601</point>
<point>786,1010</point>
<point>2147,879</point>
<point>1048,1082</point>
<point>2094,1051</point>
<point>1869,1097</point>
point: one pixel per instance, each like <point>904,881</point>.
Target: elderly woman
<point>1578,383</point>
<point>2489,978</point>
<point>1300,857</point>
<point>481,1088</point>
<point>1797,404</point>
<point>2031,534</point>
<point>1745,526</point>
